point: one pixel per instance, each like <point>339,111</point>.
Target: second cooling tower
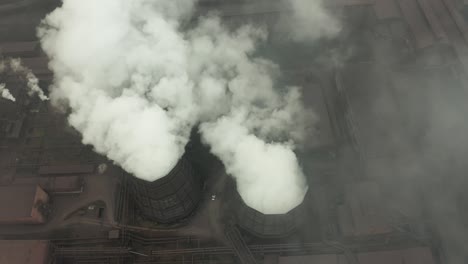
<point>170,198</point>
<point>267,225</point>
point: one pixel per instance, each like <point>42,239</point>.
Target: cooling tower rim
<point>240,202</point>
<point>167,177</point>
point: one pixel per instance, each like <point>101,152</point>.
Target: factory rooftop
<point>363,208</point>
<point>21,204</point>
<point>24,252</point>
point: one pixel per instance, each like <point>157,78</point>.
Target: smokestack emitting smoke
<point>31,79</point>
<point>136,84</point>
<point>5,93</point>
<point>14,66</point>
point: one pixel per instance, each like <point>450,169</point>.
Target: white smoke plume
<point>310,21</point>
<point>136,84</point>
<point>32,82</point>
<point>128,84</point>
<point>5,93</point>
<point>268,176</point>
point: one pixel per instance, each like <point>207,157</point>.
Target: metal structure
<point>170,198</point>
<point>425,38</point>
<point>266,226</point>
<point>238,244</point>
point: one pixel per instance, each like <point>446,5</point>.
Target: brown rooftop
<point>24,251</point>
<point>14,49</point>
<point>18,204</point>
<point>66,169</point>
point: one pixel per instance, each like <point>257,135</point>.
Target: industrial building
<point>30,205</point>
<point>370,199</point>
<point>25,251</point>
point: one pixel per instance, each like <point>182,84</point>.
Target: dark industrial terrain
<point>387,171</point>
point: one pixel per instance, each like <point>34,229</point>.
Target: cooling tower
<point>266,226</point>
<point>170,198</point>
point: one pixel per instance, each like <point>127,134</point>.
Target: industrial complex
<point>386,172</point>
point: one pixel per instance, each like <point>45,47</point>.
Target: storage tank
<point>170,198</point>
<point>267,226</point>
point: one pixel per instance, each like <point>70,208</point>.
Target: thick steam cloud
<point>137,81</point>
<point>272,180</point>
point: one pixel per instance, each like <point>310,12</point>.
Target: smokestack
<point>136,83</point>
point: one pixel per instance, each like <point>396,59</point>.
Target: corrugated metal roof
<point>271,259</point>
<point>417,23</point>
<point>20,204</point>
<point>420,255</point>
<point>345,220</point>
<point>458,18</point>
<point>406,256</point>
<point>349,2</point>
<point>381,257</point>
<point>64,184</point>
<point>38,65</point>
<point>313,94</point>
<point>15,128</point>
<point>16,201</point>
<point>66,169</point>
<point>7,158</point>
<point>432,19</point>
<point>362,213</point>
<point>386,9</point>
<point>19,48</point>
<point>315,259</point>
<point>24,251</point>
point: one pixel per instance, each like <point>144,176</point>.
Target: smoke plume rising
<point>31,79</point>
<point>136,84</point>
<point>5,93</point>
<point>14,66</point>
<point>271,169</point>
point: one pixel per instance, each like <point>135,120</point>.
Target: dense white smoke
<point>136,84</point>
<point>268,176</point>
<point>5,93</point>
<point>240,109</point>
<point>122,67</point>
